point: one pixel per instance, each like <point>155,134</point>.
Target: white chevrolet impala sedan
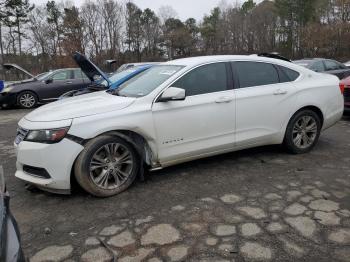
<point>172,113</point>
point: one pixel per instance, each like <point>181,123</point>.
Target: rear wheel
<point>107,166</point>
<point>27,100</point>
<point>303,132</point>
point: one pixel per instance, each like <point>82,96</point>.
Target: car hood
<point>22,82</point>
<point>14,66</point>
<point>80,106</point>
<point>89,68</point>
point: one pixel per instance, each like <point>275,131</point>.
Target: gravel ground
<point>254,205</point>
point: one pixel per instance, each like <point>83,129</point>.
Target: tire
<point>300,138</point>
<point>97,171</point>
<point>27,100</point>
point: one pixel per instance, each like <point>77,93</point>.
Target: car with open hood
<point>45,88</point>
<point>174,112</point>
<point>104,82</point>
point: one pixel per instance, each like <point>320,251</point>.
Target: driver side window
<point>203,80</point>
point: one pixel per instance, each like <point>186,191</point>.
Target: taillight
<point>342,87</point>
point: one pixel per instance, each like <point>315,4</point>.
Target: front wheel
<point>303,132</point>
<point>107,166</point>
<point>27,100</point>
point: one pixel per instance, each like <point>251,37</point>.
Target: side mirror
<point>48,81</point>
<point>172,94</point>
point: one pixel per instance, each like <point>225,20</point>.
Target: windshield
<point>118,76</point>
<point>42,76</point>
<point>147,81</point>
<point>304,63</point>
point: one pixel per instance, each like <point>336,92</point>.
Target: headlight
<point>7,89</point>
<point>50,136</point>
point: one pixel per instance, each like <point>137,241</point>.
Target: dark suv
<point>325,66</point>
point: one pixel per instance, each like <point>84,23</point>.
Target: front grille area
<point>36,171</point>
<point>21,134</point>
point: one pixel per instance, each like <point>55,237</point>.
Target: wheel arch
<point>138,142</point>
<point>313,108</point>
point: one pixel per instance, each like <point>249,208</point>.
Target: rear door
<point>264,100</point>
<point>79,81</point>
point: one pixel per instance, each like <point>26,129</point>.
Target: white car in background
<point>172,113</point>
<point>347,64</point>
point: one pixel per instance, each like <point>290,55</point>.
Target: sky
<point>184,8</point>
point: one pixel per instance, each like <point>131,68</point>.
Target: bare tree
<point>95,26</point>
<point>112,13</point>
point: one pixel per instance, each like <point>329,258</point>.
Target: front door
<point>204,122</point>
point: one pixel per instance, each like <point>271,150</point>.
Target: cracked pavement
<point>254,205</point>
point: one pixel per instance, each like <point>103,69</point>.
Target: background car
<point>10,241</point>
<point>347,64</point>
<point>345,87</point>
<point>46,88</point>
<point>106,82</point>
<point>325,65</point>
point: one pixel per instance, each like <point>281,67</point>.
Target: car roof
<point>193,61</point>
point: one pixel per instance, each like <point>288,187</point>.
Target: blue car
<point>103,82</point>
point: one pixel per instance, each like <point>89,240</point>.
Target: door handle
<point>280,92</point>
<point>224,99</point>
<point>69,82</point>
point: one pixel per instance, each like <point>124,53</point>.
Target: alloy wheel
<point>305,132</point>
<point>27,100</point>
<point>111,166</point>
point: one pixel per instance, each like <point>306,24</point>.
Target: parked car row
<point>325,66</point>
<point>61,83</point>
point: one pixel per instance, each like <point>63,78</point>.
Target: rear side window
<point>317,66</point>
<point>78,74</point>
<point>255,74</point>
<point>203,80</point>
<point>288,75</point>
<point>331,65</point>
